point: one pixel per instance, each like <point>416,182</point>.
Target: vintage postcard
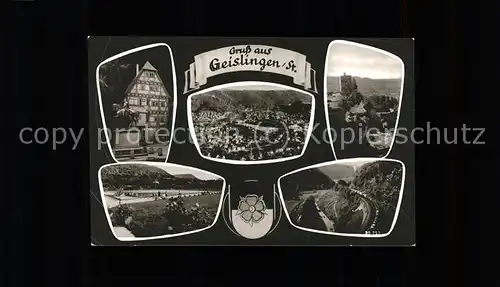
<point>251,141</point>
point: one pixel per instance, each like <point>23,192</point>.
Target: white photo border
<point>371,159</point>
<point>156,164</point>
<point>325,87</point>
<point>174,86</point>
<point>250,83</point>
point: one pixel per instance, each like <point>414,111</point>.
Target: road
<point>369,208</point>
<point>328,223</point>
<point>310,218</point>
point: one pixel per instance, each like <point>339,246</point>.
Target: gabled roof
<point>148,66</point>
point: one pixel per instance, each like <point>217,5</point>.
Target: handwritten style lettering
<point>257,58</point>
<point>244,60</point>
<point>245,50</point>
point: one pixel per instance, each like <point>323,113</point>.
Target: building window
<point>142,118</point>
<point>144,102</point>
<point>133,102</point>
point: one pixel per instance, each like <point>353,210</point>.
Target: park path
<point>121,231</point>
<point>112,201</point>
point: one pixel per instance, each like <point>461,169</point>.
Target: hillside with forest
<point>141,176</point>
<point>186,176</point>
<point>315,179</point>
<point>227,100</point>
<point>306,180</point>
<point>380,180</point>
<point>369,87</point>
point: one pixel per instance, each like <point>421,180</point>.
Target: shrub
<point>174,218</point>
<point>382,182</point>
<point>120,214</point>
<point>146,224</point>
<point>183,219</point>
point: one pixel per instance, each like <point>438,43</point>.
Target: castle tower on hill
<point>347,85</point>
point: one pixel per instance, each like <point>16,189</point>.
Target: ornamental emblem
<point>251,209</point>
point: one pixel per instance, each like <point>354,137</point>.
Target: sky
<point>185,170</point>
<point>340,170</point>
<point>337,171</point>
<point>358,163</point>
<point>362,62</point>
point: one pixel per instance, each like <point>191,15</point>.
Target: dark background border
<point>47,210</point>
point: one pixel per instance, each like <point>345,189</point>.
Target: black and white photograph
<point>364,87</point>
<point>151,200</point>
<point>358,197</point>
<point>137,100</point>
<point>216,141</point>
<point>251,122</point>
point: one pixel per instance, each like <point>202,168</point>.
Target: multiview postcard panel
<point>157,200</point>
<point>137,97</point>
<point>251,141</point>
<point>251,122</point>
<point>364,89</point>
<point>358,197</point>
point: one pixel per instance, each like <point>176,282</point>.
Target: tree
<point>354,85</point>
<point>111,74</point>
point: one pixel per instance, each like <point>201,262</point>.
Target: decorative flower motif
<point>251,209</point>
